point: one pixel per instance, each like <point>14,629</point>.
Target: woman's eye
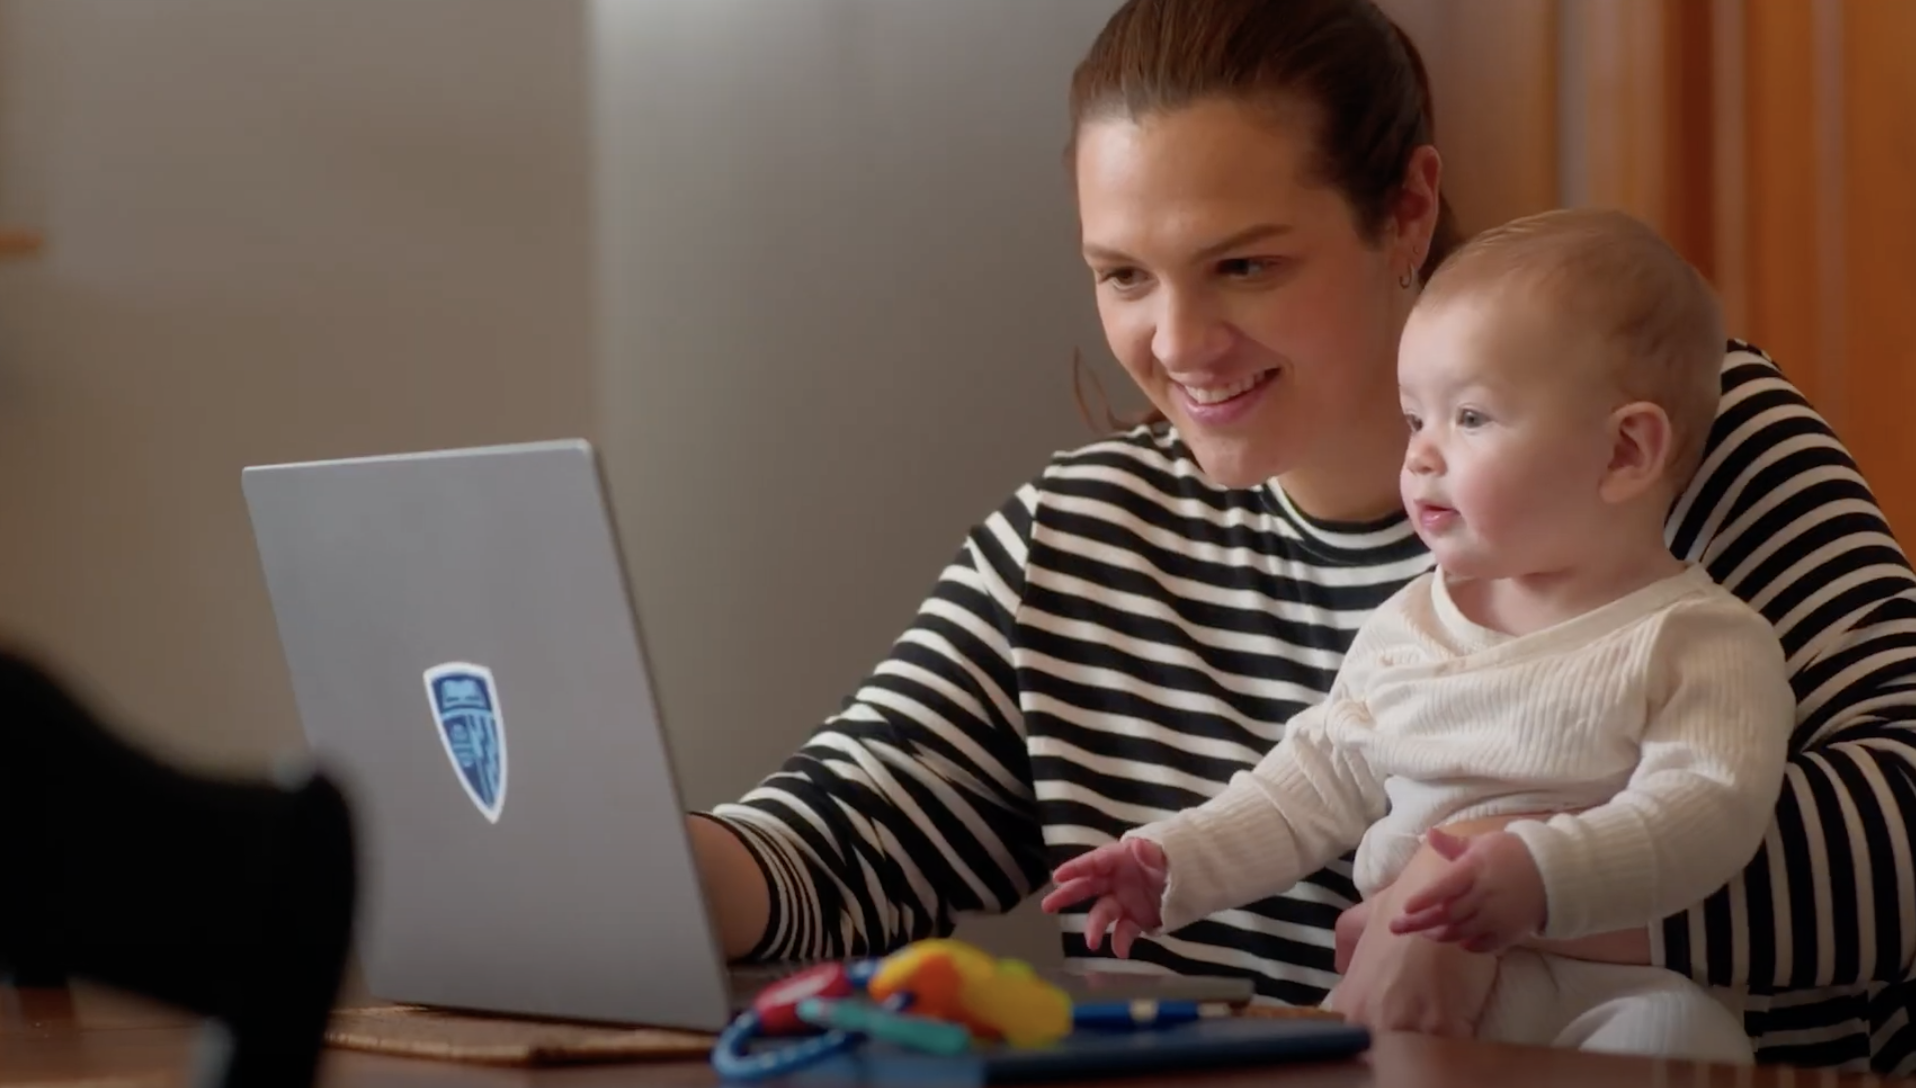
<point>1120,277</point>
<point>1241,267</point>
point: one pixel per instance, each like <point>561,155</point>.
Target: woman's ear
<point>1417,204</point>
<point>1640,450</point>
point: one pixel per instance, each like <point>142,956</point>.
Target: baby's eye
<point>1413,422</point>
<point>1470,418</point>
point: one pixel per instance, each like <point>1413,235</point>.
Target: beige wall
<point>275,231</point>
<point>841,291</point>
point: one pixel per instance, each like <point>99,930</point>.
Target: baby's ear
<point>1640,449</point>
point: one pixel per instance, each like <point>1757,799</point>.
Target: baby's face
<point>1509,438</point>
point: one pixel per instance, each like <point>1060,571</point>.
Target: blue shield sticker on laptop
<point>465,704</point>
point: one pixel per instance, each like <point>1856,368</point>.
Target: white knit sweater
<point>1663,716</point>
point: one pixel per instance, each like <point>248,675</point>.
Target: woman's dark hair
<point>1344,59</point>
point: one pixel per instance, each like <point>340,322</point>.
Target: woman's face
<point>1238,292</point>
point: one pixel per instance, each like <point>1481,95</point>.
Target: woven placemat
<point>415,1032</point>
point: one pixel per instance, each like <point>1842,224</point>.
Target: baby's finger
<point>1089,863</point>
<point>1470,902</point>
<point>1103,913</point>
<point>1456,882</point>
<point>1068,872</point>
<point>1122,937</point>
<point>1058,899</point>
<point>1066,894</point>
<point>1422,921</point>
<point>1459,927</point>
<point>1075,891</point>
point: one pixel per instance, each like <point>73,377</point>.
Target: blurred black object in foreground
<point>232,899</point>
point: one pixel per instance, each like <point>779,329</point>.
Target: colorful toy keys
<point>939,996</point>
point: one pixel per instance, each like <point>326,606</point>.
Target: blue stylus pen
<point>1132,1015</point>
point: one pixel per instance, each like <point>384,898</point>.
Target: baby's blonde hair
<point>1606,274</point>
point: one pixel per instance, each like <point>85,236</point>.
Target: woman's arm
<point>1781,517</point>
<point>735,886</point>
<point>911,805</point>
<point>1631,947</point>
<point>1408,982</point>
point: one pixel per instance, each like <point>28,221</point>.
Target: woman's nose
<point>1188,335</point>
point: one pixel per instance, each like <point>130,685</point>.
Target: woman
<point>1259,200</point>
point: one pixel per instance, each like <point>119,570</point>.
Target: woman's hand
<point>1408,982</point>
<point>1350,928</point>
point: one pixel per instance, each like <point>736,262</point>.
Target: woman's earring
<point>1409,277</point>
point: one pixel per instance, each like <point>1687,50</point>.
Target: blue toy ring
<point>732,1061</point>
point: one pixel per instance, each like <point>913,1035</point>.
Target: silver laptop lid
<point>462,647</point>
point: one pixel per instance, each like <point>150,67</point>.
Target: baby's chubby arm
<point>1694,812</point>
<point>1302,805</point>
<point>1308,800</point>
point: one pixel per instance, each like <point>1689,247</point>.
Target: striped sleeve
<point>914,803</point>
<point>1781,517</point>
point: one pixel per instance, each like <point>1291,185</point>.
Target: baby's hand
<point>1127,877</point>
<point>1489,898</point>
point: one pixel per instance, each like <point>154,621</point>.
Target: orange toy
<point>993,998</point>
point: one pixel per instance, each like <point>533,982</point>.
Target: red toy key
<point>777,1004</point>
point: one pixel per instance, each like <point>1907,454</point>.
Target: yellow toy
<point>993,998</point>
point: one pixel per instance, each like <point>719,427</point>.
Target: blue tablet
<point>1203,1044</point>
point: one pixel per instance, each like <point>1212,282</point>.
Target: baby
<point>1559,376</point>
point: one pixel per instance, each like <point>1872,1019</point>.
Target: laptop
<point>464,653</point>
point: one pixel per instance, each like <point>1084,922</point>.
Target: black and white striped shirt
<point>1123,636</point>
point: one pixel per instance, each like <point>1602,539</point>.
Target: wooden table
<point>52,1039</point>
